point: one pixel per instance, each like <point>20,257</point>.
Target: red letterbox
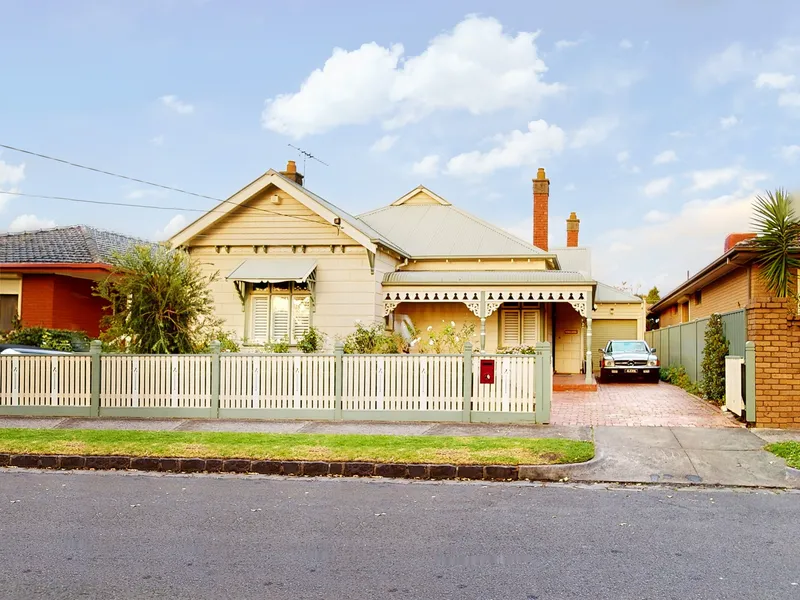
<point>487,370</point>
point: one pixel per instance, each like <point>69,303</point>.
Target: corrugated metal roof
<point>433,230</point>
<point>345,216</point>
<point>274,270</point>
<point>574,259</point>
<point>482,277</point>
<point>606,293</point>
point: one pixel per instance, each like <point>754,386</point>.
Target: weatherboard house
<point>289,259</point>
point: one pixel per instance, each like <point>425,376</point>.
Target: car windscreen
<point>632,347</point>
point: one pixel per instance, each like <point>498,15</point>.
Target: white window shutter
<point>509,329</point>
<point>280,319</point>
<point>301,321</point>
<point>260,308</point>
<point>530,327</point>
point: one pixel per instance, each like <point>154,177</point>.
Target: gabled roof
<point>610,295</point>
<point>575,259</point>
<point>440,230</point>
<point>358,230</point>
<point>77,244</point>
<point>434,198</point>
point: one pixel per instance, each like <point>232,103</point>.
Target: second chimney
<point>541,201</point>
<point>573,227</point>
<point>291,173</point>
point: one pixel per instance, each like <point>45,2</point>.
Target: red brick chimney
<point>573,226</point>
<point>735,238</point>
<point>541,201</point>
<point>291,173</point>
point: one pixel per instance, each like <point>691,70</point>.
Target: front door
<point>568,351</point>
<point>8,310</point>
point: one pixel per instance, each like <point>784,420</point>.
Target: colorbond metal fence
<point>286,386</point>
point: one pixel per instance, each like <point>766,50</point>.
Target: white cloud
<point>723,67</point>
<point>667,156</point>
<point>620,247</point>
<point>776,81</point>
<point>728,122</point>
<point>564,44</point>
<point>29,223</point>
<point>11,174</point>
<point>174,225</point>
<point>157,140</point>
<point>791,152</point>
<point>701,225</point>
<point>179,106</point>
<point>711,178</point>
<point>514,149</point>
<point>594,131</point>
<point>427,166</point>
<point>622,157</point>
<point>625,44</point>
<point>789,99</point>
<point>476,67</point>
<point>655,216</point>
<point>656,187</point>
<point>383,144</point>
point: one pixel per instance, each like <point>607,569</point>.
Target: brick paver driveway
<point>661,405</point>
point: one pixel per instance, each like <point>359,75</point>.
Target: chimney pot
<point>573,228</point>
<point>291,173</point>
<point>541,201</point>
<point>291,167</point>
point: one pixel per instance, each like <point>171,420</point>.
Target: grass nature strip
<point>789,451</point>
<point>297,446</point>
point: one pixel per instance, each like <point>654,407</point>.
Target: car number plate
<point>631,371</point>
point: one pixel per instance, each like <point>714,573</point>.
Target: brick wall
<point>61,302</point>
<point>726,294</point>
<point>773,325</point>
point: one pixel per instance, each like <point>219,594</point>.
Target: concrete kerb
<point>560,472</point>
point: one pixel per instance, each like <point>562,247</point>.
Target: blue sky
<point>657,121</point>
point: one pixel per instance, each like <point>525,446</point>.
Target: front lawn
<point>789,451</point>
<point>297,446</point>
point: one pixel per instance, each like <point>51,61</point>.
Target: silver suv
<point>629,359</point>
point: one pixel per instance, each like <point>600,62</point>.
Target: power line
<point>144,182</point>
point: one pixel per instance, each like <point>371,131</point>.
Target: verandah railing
<point>303,386</point>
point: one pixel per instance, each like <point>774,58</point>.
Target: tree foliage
<point>713,365</point>
<point>778,231</point>
<point>159,302</point>
<point>653,296</point>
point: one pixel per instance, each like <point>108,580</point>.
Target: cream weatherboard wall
<point>346,290</point>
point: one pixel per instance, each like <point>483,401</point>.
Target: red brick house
<point>47,276</point>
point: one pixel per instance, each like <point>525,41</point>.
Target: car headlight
<point>653,362</point>
<point>609,362</point>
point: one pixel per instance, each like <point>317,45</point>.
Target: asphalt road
<point>114,535</point>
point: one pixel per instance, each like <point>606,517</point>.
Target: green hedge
<point>51,339</point>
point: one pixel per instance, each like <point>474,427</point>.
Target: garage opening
<point>604,330</point>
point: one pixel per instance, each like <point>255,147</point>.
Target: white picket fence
<point>277,381</point>
<point>155,381</point>
<point>514,387</point>
<point>323,386</point>
<point>45,380</point>
<point>417,382</point>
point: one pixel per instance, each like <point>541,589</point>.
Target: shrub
<point>678,376</point>
<point>373,339</point>
<point>51,339</point>
<point>312,341</point>
<point>226,339</point>
<point>713,365</point>
<point>281,347</point>
<point>448,339</point>
<point>517,350</point>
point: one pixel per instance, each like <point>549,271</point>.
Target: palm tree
<point>777,243</point>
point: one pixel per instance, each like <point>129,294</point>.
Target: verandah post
<point>544,382</point>
<point>215,378</point>
<point>338,379</point>
<point>466,411</point>
<point>95,348</point>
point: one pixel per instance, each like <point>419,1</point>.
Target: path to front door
<point>636,404</point>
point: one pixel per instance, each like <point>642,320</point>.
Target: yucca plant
<point>160,302</point>
<point>778,230</point>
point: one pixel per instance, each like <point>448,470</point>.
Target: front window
<point>519,327</point>
<point>627,347</point>
<point>280,312</point>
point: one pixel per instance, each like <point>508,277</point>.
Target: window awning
<point>273,270</point>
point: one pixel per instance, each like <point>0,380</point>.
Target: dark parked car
<point>629,359</point>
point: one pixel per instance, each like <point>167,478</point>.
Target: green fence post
<point>750,381</point>
<point>544,382</point>
<point>466,411</point>
<point>338,379</point>
<point>95,348</point>
<point>215,378</point>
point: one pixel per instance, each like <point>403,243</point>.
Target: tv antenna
<point>307,155</point>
